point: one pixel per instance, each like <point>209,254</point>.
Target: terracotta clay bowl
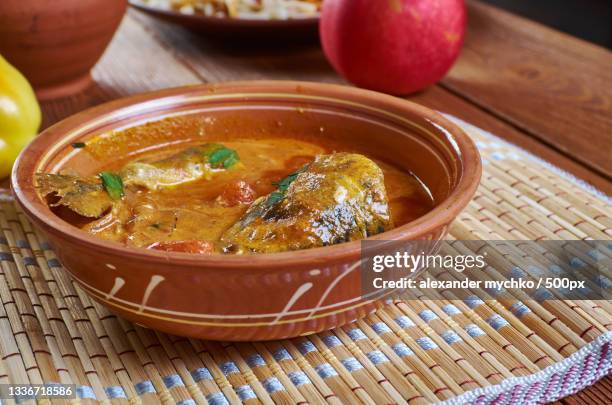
<point>56,44</point>
<point>252,297</point>
<point>237,29</point>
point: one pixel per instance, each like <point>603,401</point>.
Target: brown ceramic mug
<point>263,296</point>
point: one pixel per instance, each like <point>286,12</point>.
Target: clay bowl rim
<point>465,152</point>
<point>225,22</point>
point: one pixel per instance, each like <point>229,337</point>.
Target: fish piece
<point>337,198</point>
<point>93,196</point>
<point>183,167</point>
<point>84,195</point>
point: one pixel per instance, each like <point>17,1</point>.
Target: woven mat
<point>51,332</point>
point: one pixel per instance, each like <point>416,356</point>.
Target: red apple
<point>393,46</point>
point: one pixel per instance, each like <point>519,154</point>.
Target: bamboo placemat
<point>454,347</point>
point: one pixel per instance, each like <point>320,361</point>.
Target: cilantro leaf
<point>112,184</point>
<point>274,197</point>
<point>223,157</point>
<point>283,186</point>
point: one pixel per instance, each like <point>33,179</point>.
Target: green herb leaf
<point>112,184</point>
<point>78,145</point>
<point>283,186</point>
<point>274,197</point>
<point>230,161</point>
<point>223,157</point>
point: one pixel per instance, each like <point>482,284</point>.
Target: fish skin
<point>84,195</point>
<point>339,198</point>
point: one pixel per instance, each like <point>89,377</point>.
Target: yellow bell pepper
<point>19,115</point>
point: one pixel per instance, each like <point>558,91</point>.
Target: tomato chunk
<point>201,247</point>
<point>237,192</point>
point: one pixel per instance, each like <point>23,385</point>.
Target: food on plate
<point>242,9</point>
<point>234,196</point>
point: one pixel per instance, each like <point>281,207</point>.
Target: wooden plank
<point>550,85</point>
<point>442,100</point>
<point>214,62</point>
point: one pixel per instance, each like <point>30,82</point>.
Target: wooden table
<point>545,91</point>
